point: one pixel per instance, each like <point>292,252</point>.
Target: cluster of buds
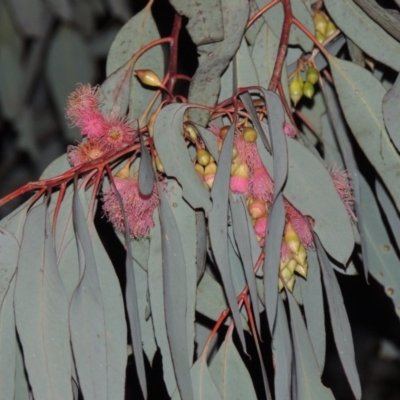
<point>103,133</point>
<point>205,167</point>
<point>324,26</point>
<point>298,87</point>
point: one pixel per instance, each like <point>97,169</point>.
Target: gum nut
<point>312,75</point>
<point>249,134</point>
<point>292,265</point>
<point>148,77</point>
<point>257,209</point>
<point>224,130</point>
<point>308,90</point>
<point>203,157</point>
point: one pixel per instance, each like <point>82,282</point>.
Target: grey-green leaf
<point>308,375</point>
<point>313,304</point>
<point>173,153</point>
<point>391,112</point>
<point>217,223</point>
<point>205,19</point>
<point>229,373</point>
<point>8,345</point>
<point>146,174</point>
<point>340,322</point>
<point>175,296</point>
<point>215,57</point>
<point>9,249</point>
<point>360,96</point>
<point>364,32</point>
<point>274,19</point>
<point>383,255</point>
<point>283,353</point>
<point>86,314</point>
<point>41,311</point>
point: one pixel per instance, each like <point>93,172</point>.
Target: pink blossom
<point>260,227</point>
<point>92,124</point>
<point>289,130</point>
<point>344,187</point>
<point>299,224</point>
<point>239,184</point>
<point>81,100</point>
<point>84,152</point>
<point>139,209</point>
<point>117,134</point>
<point>261,185</point>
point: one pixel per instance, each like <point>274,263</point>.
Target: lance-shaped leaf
<point>361,95</point>
<point>203,386</point>
<point>229,373</point>
<point>201,244</point>
<point>41,311</point>
<point>308,376</point>
<point>139,31</point>
<point>9,249</point>
<point>246,74</point>
<point>215,57</point>
<point>22,390</point>
<point>185,218</point>
<point>242,238</point>
<point>60,8</point>
<point>174,156</point>
<point>274,18</point>
<point>283,354</point>
<point>217,224</point>
<point>205,19</point>
<point>383,255</point>
<point>248,102</point>
<point>175,296</point>
<point>156,290</point>
<point>347,153</point>
<point>273,242</point>
<point>146,174</point>
<point>276,119</point>
<point>391,112</point>
<point>340,322</point>
<point>86,314</point>
<point>8,345</point>
<point>313,304</point>
<point>364,32</point>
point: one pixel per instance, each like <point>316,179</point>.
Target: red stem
<point>173,61</point>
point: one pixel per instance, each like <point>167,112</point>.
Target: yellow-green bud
<point>320,37</point>
<point>124,172</point>
<point>301,255</point>
<point>192,131</point>
<point>148,77</point>
<point>295,90</point>
<point>249,134</point>
<point>302,269</point>
<point>308,90</point>
<point>242,170</point>
<point>320,22</point>
<point>291,238</point>
<point>291,265</point>
<point>199,169</point>
<point>257,209</point>
<point>159,165</point>
<point>209,174</point>
<point>330,29</point>
<point>203,157</point>
<point>224,130</point>
<point>312,75</point>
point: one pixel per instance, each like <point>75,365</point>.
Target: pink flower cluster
<point>103,133</point>
<point>139,209</point>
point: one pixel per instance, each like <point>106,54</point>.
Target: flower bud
<point>236,162</point>
<point>203,157</point>
<point>159,165</point>
<point>301,255</point>
<point>291,238</point>
<point>249,134</point>
<point>308,90</point>
<point>148,77</point>
<point>124,172</point>
<point>192,131</point>
<point>291,265</point>
<point>312,75</point>
<point>234,152</point>
<point>257,209</point>
<point>260,227</point>
<point>224,130</point>
<point>199,169</point>
<point>295,90</point>
<point>320,37</point>
<point>302,269</point>
<point>320,23</point>
<point>209,174</point>
<point>330,29</point>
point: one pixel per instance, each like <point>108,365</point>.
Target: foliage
<point>235,196</point>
